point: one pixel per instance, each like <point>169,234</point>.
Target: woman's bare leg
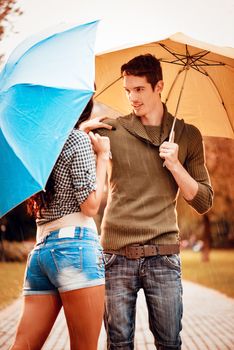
<point>38,317</point>
<point>84,309</point>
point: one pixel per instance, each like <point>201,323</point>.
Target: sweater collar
<point>133,124</point>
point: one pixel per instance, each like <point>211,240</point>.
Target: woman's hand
<point>94,123</point>
<point>101,145</point>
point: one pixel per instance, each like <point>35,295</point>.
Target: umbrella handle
<point>171,139</point>
<point>172,136</point>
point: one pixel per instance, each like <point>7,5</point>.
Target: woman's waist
<point>69,236</point>
<point>65,223</point>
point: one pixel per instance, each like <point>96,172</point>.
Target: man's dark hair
<point>144,65</point>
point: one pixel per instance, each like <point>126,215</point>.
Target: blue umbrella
<point>44,87</point>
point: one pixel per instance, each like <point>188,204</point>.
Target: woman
<point>65,268</point>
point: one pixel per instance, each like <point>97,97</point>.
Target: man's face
<point>143,99</point>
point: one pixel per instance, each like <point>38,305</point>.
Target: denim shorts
<point>67,259</point>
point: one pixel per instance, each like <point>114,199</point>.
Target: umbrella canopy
<point>44,87</point>
<point>198,81</point>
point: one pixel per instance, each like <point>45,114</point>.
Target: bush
<point>15,251</point>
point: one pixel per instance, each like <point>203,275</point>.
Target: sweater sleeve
<point>195,165</point>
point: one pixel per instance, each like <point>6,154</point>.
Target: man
<point>140,235</point>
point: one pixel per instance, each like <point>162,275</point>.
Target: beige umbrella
<point>198,78</point>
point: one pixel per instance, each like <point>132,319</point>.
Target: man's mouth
<point>137,106</point>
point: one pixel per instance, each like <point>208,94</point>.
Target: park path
<point>208,323</point>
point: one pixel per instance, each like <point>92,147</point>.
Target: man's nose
<point>132,96</point>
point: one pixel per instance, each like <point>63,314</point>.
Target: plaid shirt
<point>74,177</point>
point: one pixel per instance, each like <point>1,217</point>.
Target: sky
<point>128,21</point>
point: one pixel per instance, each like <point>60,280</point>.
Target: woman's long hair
<point>41,199</point>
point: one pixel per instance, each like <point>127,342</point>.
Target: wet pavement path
<point>208,323</point>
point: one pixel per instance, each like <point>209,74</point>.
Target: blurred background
<point>207,242</point>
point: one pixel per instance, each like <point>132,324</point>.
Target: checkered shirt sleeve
<point>74,177</point>
<point>82,165</point>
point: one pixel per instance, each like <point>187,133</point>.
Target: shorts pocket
<point>109,259</point>
<point>65,258</point>
<point>172,261</point>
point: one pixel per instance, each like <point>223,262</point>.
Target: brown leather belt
<point>140,251</point>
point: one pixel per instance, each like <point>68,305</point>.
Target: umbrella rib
<point>198,57</point>
<point>198,69</point>
<point>179,99</point>
<point>210,65</point>
<point>177,106</point>
<point>173,62</point>
<point>173,84</point>
<point>200,54</point>
<point>171,52</point>
<point>108,86</point>
<point>222,102</point>
<point>197,60</point>
<point>206,64</point>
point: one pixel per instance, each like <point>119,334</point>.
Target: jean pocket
<point>109,259</point>
<point>65,258</point>
<point>172,261</point>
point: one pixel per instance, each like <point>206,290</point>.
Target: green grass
<point>11,281</point>
<point>218,273</point>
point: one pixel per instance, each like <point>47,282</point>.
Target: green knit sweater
<point>141,205</point>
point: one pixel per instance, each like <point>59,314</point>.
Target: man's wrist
<point>175,168</point>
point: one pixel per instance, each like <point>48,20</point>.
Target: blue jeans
<point>160,278</point>
<point>65,262</point>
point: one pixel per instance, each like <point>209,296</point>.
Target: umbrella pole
<point>172,132</point>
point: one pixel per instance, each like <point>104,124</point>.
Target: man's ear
<point>159,86</point>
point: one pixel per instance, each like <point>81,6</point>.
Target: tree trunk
<point>205,252</point>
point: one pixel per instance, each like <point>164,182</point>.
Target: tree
<point>217,225</point>
<point>206,238</point>
<point>8,9</point>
